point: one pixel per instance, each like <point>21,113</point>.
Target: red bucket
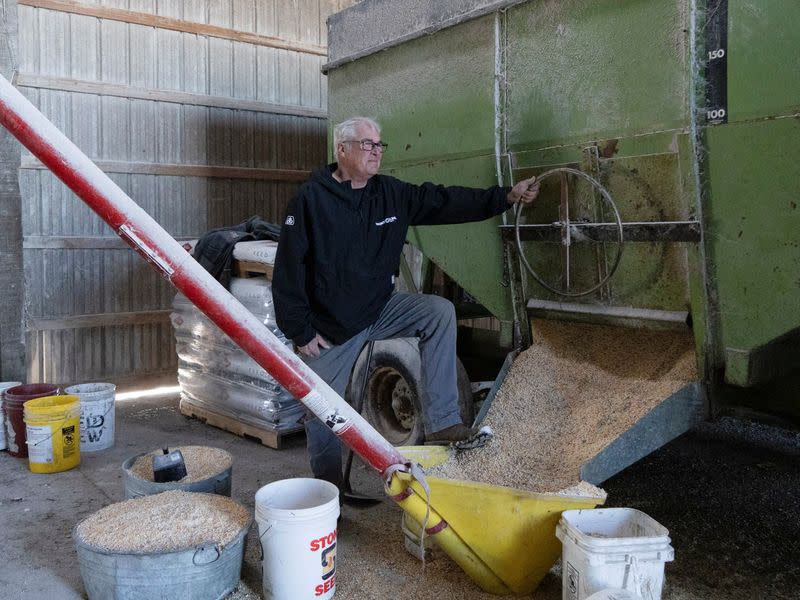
<point>13,399</point>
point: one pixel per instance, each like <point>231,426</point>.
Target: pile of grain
<point>201,462</point>
<point>567,397</point>
<point>164,522</point>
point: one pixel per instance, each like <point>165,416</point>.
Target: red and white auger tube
<point>147,237</point>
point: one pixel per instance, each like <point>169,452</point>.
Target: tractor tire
<point>391,403</point>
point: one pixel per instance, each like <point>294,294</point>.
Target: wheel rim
<point>394,404</point>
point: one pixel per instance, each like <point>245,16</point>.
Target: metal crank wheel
<point>567,233</point>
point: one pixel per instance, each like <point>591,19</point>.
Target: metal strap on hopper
<point>642,231</point>
<point>575,310</point>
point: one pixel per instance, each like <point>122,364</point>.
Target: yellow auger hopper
<point>503,538</point>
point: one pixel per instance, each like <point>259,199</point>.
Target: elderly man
<point>333,283</point>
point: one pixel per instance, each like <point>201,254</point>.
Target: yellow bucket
<point>52,425</point>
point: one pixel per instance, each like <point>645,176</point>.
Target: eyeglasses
<point>368,145</point>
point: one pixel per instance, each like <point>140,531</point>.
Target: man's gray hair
<point>347,129</point>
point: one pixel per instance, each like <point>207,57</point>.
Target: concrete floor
<point>728,492</point>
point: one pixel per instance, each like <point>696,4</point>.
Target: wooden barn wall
<point>204,112</point>
<point>12,348</point>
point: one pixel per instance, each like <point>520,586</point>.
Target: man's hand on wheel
<point>313,347</point>
<point>525,191</point>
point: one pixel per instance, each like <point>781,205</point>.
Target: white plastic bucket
<point>297,528</point>
<point>619,548</point>
<point>97,414</point>
<point>4,385</point>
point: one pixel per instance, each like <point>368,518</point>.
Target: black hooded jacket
<point>339,247</point>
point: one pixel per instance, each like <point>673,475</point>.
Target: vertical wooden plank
<point>326,8</point>
<point>36,360</point>
<point>220,67</point>
<point>266,17</point>
<point>266,66</point>
<point>143,191</point>
<point>243,138</point>
<point>54,43</point>
<point>195,72</point>
<point>46,284</point>
<point>114,48</point>
<point>214,202</point>
<point>143,46</point>
<point>244,70</point>
<point>196,194</point>
<point>195,135</point>
<point>100,350</point>
<point>55,106</point>
<point>66,286</point>
<point>308,21</point>
<point>32,269</point>
<point>137,356</point>
<point>219,136</point>
<point>30,192</point>
<point>115,139</point>
<point>288,77</point>
<point>172,202</point>
<point>243,15</point>
<point>170,9</point>
<point>288,19</point>
<point>196,11</point>
<point>267,74</point>
<point>323,89</point>
<point>28,39</point>
<point>169,54</point>
<point>145,6</point>
<point>264,141</point>
<point>85,47</point>
<point>220,13</point>
<point>168,133</point>
<point>195,49</point>
<point>85,109</point>
<point>309,81</point>
<point>78,270</point>
<point>143,116</point>
<point>220,53</point>
<point>288,63</point>
<point>51,200</point>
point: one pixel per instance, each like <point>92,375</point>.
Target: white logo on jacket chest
<point>289,220</point>
<point>386,220</point>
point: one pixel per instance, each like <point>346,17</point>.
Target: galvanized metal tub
<point>135,487</point>
<point>206,572</point>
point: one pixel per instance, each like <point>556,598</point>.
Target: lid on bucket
<point>614,594</point>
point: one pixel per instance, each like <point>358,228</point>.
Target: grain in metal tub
<point>208,469</point>
<point>175,545</point>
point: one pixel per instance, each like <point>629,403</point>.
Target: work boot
<point>449,435</point>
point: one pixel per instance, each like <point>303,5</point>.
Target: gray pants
<point>431,319</point>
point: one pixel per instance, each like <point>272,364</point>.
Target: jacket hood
<point>324,177</point>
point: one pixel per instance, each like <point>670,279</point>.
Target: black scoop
<point>169,466</point>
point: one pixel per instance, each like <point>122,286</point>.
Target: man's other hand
<point>525,191</point>
<point>313,347</point>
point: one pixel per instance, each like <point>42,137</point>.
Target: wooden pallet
<point>268,437</point>
<point>248,268</point>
